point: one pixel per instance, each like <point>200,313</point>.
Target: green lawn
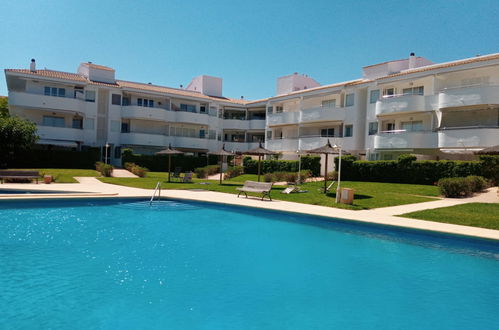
<point>62,175</point>
<point>368,195</point>
<point>483,215</point>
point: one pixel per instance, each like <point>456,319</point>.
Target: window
<point>269,135</point>
<point>374,96</point>
<point>348,130</point>
<point>329,103</point>
<point>188,107</point>
<point>349,100</point>
<point>90,96</point>
<point>54,91</point>
<point>373,128</point>
<point>388,92</point>
<point>202,109</point>
<point>413,91</point>
<point>116,99</point>
<point>117,152</point>
<point>327,132</point>
<point>53,121</point>
<point>139,102</point>
<point>390,126</point>
<point>412,126</point>
<point>151,103</point>
<point>202,133</point>
<point>125,127</point>
<point>269,110</point>
<point>126,101</point>
<point>279,109</point>
<point>78,123</point>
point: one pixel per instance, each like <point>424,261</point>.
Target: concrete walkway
<point>121,173</point>
<point>384,216</point>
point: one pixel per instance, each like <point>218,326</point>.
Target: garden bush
<point>136,169</point>
<point>462,187</point>
<point>490,167</point>
<point>268,177</point>
<point>204,172</point>
<point>232,172</point>
<point>287,176</point>
<point>104,169</point>
<point>478,183</point>
<point>311,163</point>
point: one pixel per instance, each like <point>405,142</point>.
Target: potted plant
<point>47,179</point>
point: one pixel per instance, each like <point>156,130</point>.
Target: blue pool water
<point>186,265</point>
<point>26,191</point>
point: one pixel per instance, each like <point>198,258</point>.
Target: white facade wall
<point>453,98</point>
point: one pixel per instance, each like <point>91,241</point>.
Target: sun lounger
<point>256,187</point>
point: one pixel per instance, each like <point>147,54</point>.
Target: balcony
<point>405,103</point>
<point>193,143</point>
<point>236,124</point>
<point>467,137</point>
<point>191,117</point>
<point>286,144</point>
<point>136,112</point>
<point>468,96</point>
<point>59,133</point>
<point>240,146</point>
<point>406,140</point>
<point>284,118</point>
<point>145,139</point>
<point>38,101</point>
<point>322,114</point>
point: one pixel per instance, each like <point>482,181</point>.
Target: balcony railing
<point>40,101</point>
<point>405,103</point>
<point>467,137</point>
<point>468,96</point>
<point>401,139</point>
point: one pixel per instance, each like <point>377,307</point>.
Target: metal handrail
<point>158,188</point>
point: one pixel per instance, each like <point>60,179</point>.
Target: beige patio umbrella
<point>169,151</point>
<point>327,150</point>
<point>260,152</point>
<point>221,153</point>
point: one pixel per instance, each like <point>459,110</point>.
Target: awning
<point>61,143</point>
<point>461,151</point>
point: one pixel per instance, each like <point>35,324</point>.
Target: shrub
<point>204,172</point>
<point>139,171</point>
<point>268,177</point>
<point>332,175</point>
<point>455,187</point>
<point>128,166</point>
<point>477,183</point>
<point>304,175</point>
<point>406,160</point>
<point>490,167</point>
<point>104,169</point>
<point>234,171</point>
<point>270,166</point>
<point>201,172</point>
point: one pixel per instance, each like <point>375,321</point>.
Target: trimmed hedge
<point>159,163</point>
<point>39,158</point>
<point>311,163</point>
<point>407,170</point>
<point>204,172</point>
<point>136,169</point>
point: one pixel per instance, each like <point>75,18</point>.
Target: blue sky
<point>247,43</point>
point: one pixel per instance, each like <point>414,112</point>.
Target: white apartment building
<point>437,111</point>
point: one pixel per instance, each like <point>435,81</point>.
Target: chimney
<point>32,66</point>
<point>412,61</point>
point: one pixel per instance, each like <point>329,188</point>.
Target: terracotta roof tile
<point>51,74</point>
<point>444,65</point>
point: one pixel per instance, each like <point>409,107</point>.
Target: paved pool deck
<point>93,188</point>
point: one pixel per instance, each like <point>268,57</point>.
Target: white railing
<point>467,96</point>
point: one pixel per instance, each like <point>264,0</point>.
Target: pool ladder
<point>158,189</point>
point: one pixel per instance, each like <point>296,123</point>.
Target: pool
<point>121,264</point>
<point>32,191</point>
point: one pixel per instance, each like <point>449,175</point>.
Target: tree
<point>4,108</point>
<point>16,135</point>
